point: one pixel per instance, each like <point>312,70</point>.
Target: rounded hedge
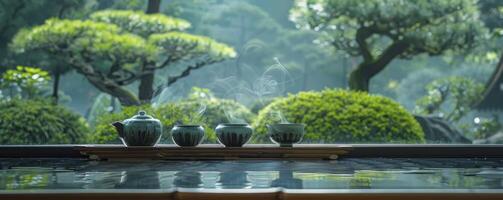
<point>40,122</point>
<point>341,116</point>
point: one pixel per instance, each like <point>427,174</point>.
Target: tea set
<point>145,130</point>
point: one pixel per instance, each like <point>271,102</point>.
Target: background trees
<point>23,82</point>
<point>115,48</point>
<point>15,15</point>
<point>18,14</point>
<point>380,31</point>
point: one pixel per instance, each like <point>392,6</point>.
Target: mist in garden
<point>374,71</point>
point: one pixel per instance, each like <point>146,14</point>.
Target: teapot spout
<point>119,126</point>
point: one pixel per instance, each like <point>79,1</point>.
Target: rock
<point>494,139</point>
<point>437,130</point>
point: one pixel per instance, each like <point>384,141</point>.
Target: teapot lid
<point>142,115</point>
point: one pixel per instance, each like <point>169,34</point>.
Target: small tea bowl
<point>286,134</point>
<point>233,135</point>
<point>187,135</point>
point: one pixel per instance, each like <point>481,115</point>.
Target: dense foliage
<point>339,116</point>
<point>40,122</point>
<point>115,48</point>
<point>27,81</point>
<point>462,93</point>
<point>453,99</point>
<point>18,14</point>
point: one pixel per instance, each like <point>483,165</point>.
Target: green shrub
<point>40,122</point>
<point>168,114</point>
<point>340,116</point>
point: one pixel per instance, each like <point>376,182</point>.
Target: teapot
<point>140,130</point>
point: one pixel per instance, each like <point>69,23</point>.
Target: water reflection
<point>139,180</point>
<point>91,180</point>
<point>19,178</point>
<point>188,179</point>
<point>234,180</point>
<point>286,180</point>
<point>343,174</point>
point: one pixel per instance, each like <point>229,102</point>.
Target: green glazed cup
<point>233,135</point>
<point>286,134</point>
<point>187,135</point>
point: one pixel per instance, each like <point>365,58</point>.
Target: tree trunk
<point>126,97</point>
<point>153,6</point>
<point>358,80</point>
<point>102,83</point>
<point>146,88</point>
<point>360,77</point>
<point>55,87</point>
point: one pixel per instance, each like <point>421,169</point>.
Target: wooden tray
<point>212,152</point>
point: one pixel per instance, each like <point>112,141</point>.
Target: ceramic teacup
<point>286,134</point>
<point>233,135</point>
<point>187,135</point>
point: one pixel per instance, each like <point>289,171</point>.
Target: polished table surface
<point>341,177</point>
<point>347,173</point>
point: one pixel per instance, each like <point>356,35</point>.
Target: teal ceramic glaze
<point>187,135</point>
<point>286,134</point>
<point>140,130</point>
<point>233,135</point>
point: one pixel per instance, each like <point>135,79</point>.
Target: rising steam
<point>277,116</point>
<point>198,114</point>
<point>272,82</point>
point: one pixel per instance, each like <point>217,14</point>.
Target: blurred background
<point>384,71</point>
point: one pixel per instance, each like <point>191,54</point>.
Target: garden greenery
<point>40,122</point>
<point>453,99</point>
<point>462,92</point>
<point>28,80</point>
<point>380,31</point>
<point>131,58</point>
<point>115,48</point>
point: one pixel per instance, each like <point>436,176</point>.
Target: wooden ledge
<point>253,151</point>
<point>212,152</point>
